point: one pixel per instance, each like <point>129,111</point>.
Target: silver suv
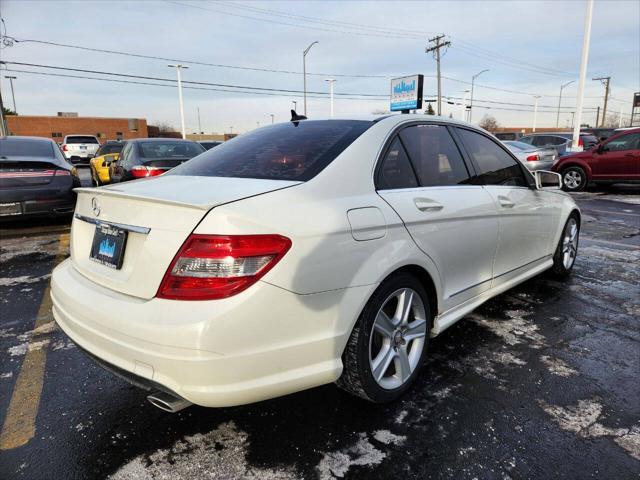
<point>80,148</point>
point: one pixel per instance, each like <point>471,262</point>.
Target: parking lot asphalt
<point>540,382</point>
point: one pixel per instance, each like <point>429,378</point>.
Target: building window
<point>133,124</point>
<point>101,135</point>
<point>56,135</point>
<point>119,136</point>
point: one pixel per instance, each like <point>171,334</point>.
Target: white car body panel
<point>287,332</point>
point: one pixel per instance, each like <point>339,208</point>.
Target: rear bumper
<point>262,343</point>
<point>40,201</point>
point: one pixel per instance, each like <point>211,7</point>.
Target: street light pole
<point>179,67</point>
<point>473,81</point>
<point>463,108</point>
<point>304,73</point>
<point>272,118</point>
<point>331,82</point>
<point>583,73</point>
<point>199,124</point>
<point>535,112</point>
<point>560,100</point>
<point>11,79</point>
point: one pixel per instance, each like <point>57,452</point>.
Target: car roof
<point>161,139</point>
<point>25,137</point>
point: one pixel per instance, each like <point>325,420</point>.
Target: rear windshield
<point>24,147</point>
<point>519,145</point>
<point>169,149</point>
<point>109,148</point>
<point>287,151</point>
<point>80,139</point>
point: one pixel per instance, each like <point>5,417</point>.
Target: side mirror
<point>547,180</point>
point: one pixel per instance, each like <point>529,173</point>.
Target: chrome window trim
<point>121,226</point>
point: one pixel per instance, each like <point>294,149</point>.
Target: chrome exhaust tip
<point>167,402</point>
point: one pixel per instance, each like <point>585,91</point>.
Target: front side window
<point>626,142</point>
<point>396,170</point>
<point>286,151</point>
<point>435,156</point>
<point>495,166</point>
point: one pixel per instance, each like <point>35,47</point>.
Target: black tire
<point>574,179</point>
<point>560,267</point>
<point>357,377</point>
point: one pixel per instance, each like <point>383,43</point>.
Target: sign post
<point>406,93</point>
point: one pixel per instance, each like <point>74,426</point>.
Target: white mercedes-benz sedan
<point>304,253</point>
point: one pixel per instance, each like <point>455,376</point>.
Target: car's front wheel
<point>388,343</point>
<point>567,249</point>
<point>574,179</point>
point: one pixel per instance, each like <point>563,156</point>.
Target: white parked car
<point>80,148</point>
<point>305,253</point>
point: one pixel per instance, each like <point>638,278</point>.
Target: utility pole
<point>179,67</point>
<point>272,118</point>
<point>304,73</point>
<point>331,82</point>
<point>437,45</point>
<point>473,80</point>
<point>605,81</point>
<point>4,131</point>
<point>13,95</point>
<point>535,112</point>
<point>597,117</point>
<point>560,101</point>
<point>199,124</point>
<point>583,73</point>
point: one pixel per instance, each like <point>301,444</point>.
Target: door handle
<point>505,202</point>
<point>427,205</point>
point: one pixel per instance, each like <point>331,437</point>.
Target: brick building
<point>56,128</point>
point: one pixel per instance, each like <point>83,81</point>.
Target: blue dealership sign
<point>406,93</point>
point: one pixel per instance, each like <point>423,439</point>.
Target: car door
<point>618,158</point>
<point>527,215</point>
<point>425,179</point>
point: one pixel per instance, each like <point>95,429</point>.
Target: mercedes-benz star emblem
<point>95,206</point>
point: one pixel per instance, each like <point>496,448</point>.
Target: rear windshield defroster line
<point>288,151</point>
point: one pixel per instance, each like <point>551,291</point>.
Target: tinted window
<point>518,145</point>
<point>435,156</point>
<point>495,166</point>
<point>287,151</point>
<point>626,142</point>
<point>79,139</point>
<point>169,149</point>
<point>109,148</point>
<point>126,159</point>
<point>589,139</point>
<point>396,170</point>
<point>24,147</point>
<point>528,140</point>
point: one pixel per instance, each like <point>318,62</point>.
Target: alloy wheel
<point>572,179</point>
<point>397,338</point>
<point>570,243</point>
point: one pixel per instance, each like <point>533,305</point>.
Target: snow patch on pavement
<point>557,366</point>
<point>25,347</point>
<point>11,281</point>
<point>362,453</point>
<point>514,330</point>
<point>582,419</point>
<point>388,438</point>
<point>218,454</point>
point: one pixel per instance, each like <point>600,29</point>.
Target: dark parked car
<point>209,144</point>
<point>35,178</point>
<point>616,160</point>
<point>561,141</point>
<point>600,133</point>
<point>149,157</point>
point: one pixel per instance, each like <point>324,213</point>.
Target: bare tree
<point>612,121</point>
<point>489,123</point>
<point>165,127</point>
<point>429,110</point>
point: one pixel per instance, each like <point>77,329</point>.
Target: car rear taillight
<point>580,143</point>
<point>62,173</point>
<point>140,171</point>
<point>209,267</point>
<point>533,158</point>
<point>65,148</point>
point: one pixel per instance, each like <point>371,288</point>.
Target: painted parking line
<point>20,423</point>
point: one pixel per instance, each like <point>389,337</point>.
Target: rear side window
<point>80,139</point>
<point>435,156</point>
<point>287,151</point>
<point>24,147</point>
<point>495,166</point>
<point>166,150</point>
<point>396,170</point>
<point>109,149</point>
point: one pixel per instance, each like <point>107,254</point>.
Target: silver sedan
<point>535,158</point>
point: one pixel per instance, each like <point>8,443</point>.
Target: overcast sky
<point>528,47</point>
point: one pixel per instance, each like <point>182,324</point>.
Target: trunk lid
<point>26,173</point>
<point>159,214</point>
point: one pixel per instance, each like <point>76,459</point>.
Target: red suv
<point>615,160</point>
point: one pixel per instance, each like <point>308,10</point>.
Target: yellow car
<point>107,153</point>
